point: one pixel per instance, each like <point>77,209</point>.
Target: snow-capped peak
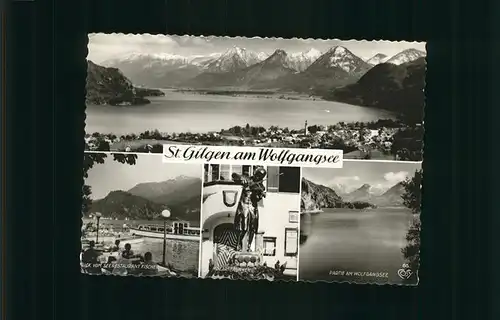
<point>236,50</point>
<point>377,59</point>
<point>147,60</point>
<point>279,52</point>
<point>301,60</point>
<point>262,56</point>
<point>240,53</point>
<point>406,56</point>
<point>340,57</point>
<point>312,53</point>
<point>338,50</point>
<point>309,54</point>
<point>233,59</point>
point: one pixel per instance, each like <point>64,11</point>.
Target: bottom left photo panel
<point>140,216</point>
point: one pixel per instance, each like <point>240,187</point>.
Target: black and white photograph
<point>250,222</point>
<point>361,223</point>
<point>140,216</point>
<point>363,97</point>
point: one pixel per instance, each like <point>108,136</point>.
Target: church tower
<point>305,129</point>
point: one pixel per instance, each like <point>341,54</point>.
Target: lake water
<point>189,112</point>
<point>357,241</point>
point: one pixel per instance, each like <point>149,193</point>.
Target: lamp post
<point>98,217</point>
<point>165,214</point>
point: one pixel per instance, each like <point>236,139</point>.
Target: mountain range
<point>110,86</point>
<point>238,67</point>
<point>253,76</point>
<point>233,60</point>
<point>396,85</point>
<point>404,56</point>
<point>315,197</point>
<point>300,61</point>
<point>145,201</point>
<point>376,59</point>
<point>391,197</point>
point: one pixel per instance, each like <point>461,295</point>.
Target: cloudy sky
<point>103,47</point>
<point>380,175</point>
<point>112,175</point>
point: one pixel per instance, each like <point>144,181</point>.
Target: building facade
<point>277,238</point>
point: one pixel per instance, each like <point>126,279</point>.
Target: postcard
<point>253,158</point>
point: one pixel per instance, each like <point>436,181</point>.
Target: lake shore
<point>253,94</point>
<point>376,144</point>
<point>217,119</point>
<point>312,211</point>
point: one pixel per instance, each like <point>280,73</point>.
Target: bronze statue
<point>246,220</point>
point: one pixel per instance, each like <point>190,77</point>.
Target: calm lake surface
<point>357,241</point>
<point>190,112</point>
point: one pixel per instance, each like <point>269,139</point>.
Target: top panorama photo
<point>363,97</point>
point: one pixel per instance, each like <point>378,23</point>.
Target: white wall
<point>274,219</point>
<point>215,204</point>
<point>207,251</point>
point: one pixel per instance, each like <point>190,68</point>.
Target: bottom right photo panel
<point>361,223</point>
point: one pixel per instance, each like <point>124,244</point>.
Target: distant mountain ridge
<point>182,196</point>
<point>267,70</point>
<point>406,56</point>
<point>170,192</point>
<point>121,204</point>
<point>376,59</point>
<point>336,67</point>
<point>233,60</point>
<point>300,61</point>
<point>360,194</point>
<point>339,58</point>
<point>312,71</point>
<point>169,70</point>
<point>157,71</point>
<point>391,197</point>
